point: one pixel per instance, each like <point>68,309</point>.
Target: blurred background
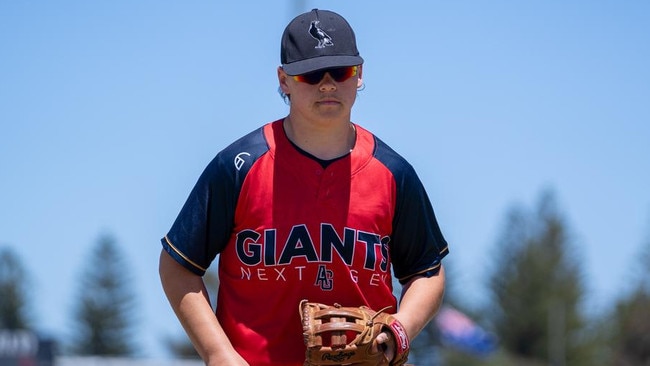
<point>528,122</point>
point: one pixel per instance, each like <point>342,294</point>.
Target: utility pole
<point>556,333</point>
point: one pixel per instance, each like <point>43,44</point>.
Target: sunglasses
<point>339,74</point>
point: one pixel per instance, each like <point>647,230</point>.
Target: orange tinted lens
<point>343,73</point>
<point>312,78</point>
<point>339,74</point>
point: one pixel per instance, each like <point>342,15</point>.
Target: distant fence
<point>24,348</point>
<point>107,361</point>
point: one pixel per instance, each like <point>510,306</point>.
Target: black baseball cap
<point>317,40</point>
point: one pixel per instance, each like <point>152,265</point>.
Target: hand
<point>385,343</point>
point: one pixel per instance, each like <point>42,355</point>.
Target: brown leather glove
<point>336,335</point>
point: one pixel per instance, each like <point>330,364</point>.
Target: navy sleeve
<point>204,224</point>
<point>417,244</point>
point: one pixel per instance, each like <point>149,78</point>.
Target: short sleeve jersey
<point>287,229</point>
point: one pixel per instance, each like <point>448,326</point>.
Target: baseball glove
<point>336,335</point>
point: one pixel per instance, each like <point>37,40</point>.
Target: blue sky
<point>109,111</point>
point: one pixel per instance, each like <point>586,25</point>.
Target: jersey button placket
<point>326,183</point>
<point>319,179</point>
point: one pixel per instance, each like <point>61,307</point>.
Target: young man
<point>311,206</point>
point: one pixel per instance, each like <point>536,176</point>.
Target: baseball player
<point>311,206</point>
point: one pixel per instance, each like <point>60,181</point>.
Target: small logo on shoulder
<point>239,159</point>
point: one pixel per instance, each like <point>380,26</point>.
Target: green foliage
<point>536,288</point>
<point>630,335</point>
<point>629,323</point>
<point>103,317</point>
<point>500,358</point>
<point>13,287</point>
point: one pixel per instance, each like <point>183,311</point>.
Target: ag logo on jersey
<point>324,278</point>
<point>239,159</point>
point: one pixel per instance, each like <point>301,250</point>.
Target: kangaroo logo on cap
<point>323,38</point>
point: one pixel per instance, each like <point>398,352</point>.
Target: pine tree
<point>629,324</point>
<point>104,315</point>
<point>13,287</point>
<point>536,287</point>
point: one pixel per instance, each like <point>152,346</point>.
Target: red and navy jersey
<point>287,229</point>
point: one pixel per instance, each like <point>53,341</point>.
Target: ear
<point>360,77</point>
<point>282,80</point>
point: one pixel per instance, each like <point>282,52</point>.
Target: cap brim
<point>320,63</point>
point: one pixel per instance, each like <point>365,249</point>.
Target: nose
<point>327,84</point>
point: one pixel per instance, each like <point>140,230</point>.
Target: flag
<point>459,331</point>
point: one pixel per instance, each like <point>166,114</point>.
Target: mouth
<point>328,101</point>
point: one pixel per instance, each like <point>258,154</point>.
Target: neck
<point>323,141</point>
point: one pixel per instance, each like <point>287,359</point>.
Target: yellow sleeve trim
<point>423,271</point>
<point>183,255</point>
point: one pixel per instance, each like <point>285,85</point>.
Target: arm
<point>189,299</point>
<point>421,300</point>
